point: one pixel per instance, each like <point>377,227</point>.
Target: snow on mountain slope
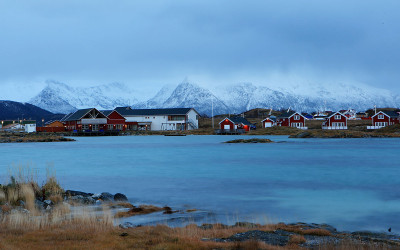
<point>305,97</point>
<point>60,98</point>
<point>158,100</point>
<point>191,95</point>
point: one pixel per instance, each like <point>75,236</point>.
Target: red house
<point>383,119</point>
<point>336,120</point>
<point>233,123</point>
<point>115,121</point>
<point>269,122</point>
<point>85,120</point>
<point>291,119</point>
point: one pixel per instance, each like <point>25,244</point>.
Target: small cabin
<point>269,122</point>
<point>291,119</point>
<point>336,120</point>
<point>233,123</point>
<point>384,119</point>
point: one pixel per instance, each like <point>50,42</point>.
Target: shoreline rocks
<point>252,140</point>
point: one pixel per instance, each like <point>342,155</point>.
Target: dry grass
<point>297,239</point>
<point>31,137</point>
<point>298,230</point>
<point>87,232</point>
<point>143,209</point>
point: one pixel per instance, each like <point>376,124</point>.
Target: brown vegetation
<point>7,137</point>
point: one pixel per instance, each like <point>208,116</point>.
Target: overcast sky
<point>152,43</point>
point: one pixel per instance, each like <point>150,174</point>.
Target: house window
<point>381,117</point>
<point>109,126</point>
<point>338,117</point>
<point>297,117</point>
<point>176,118</point>
<point>85,127</point>
<point>380,124</point>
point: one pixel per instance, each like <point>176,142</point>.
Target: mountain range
<point>10,110</point>
<point>61,98</point>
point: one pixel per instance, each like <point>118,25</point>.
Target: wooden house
<point>336,120</point>
<point>115,121</point>
<point>269,122</point>
<point>85,120</point>
<point>52,126</point>
<point>234,123</point>
<point>291,119</point>
<point>383,119</point>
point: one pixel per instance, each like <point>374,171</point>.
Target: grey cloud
<point>163,40</point>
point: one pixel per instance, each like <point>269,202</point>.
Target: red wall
<point>227,122</point>
<point>376,119</point>
<point>342,119</point>
<point>292,120</point>
<point>115,118</point>
<point>50,129</point>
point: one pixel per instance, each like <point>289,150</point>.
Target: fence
<point>334,127</point>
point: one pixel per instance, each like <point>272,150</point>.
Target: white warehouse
<point>160,119</point>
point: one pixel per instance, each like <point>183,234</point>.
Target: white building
<point>30,127</point>
<point>160,119</point>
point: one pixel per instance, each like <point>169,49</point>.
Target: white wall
<point>160,122</point>
<point>30,128</point>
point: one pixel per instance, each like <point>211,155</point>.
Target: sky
<point>147,44</point>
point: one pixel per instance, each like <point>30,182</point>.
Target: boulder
<point>120,197</point>
<point>39,204</point>
<point>106,196</point>
<point>85,200</point>
<point>76,193</point>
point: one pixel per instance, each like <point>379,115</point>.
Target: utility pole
<point>212,111</point>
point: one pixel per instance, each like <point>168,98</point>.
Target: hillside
<point>10,110</point>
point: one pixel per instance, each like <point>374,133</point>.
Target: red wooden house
<point>291,119</point>
<point>85,120</point>
<point>269,122</point>
<point>336,120</point>
<point>233,123</point>
<point>383,119</point>
<point>115,121</point>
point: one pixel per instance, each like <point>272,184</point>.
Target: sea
<point>352,184</point>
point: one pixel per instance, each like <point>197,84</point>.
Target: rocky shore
<point>307,235</point>
<point>287,236</point>
<point>31,137</point>
<point>252,140</point>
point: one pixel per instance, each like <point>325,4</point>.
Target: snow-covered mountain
<point>61,98</point>
<point>305,97</point>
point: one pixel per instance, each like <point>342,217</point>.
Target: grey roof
<point>272,118</point>
<point>239,119</point>
<point>106,112</point>
<point>391,114</point>
<point>127,111</point>
<point>286,114</point>
<point>78,114</point>
<point>65,118</point>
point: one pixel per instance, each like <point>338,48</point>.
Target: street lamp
<point>42,121</point>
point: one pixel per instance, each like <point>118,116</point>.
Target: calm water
<point>352,184</point>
